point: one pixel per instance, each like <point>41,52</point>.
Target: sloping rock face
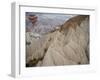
<point>68,45</point>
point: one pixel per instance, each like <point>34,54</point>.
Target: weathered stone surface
<point>68,46</point>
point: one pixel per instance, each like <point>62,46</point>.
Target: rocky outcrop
<point>68,45</point>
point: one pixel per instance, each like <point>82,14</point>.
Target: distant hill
<point>46,21</point>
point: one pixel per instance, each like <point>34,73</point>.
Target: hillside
<point>67,45</point>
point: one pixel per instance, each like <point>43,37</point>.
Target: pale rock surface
<point>56,48</point>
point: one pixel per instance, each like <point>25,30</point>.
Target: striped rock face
<point>68,45</point>
<point>36,46</point>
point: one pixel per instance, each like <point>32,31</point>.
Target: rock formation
<point>67,45</point>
